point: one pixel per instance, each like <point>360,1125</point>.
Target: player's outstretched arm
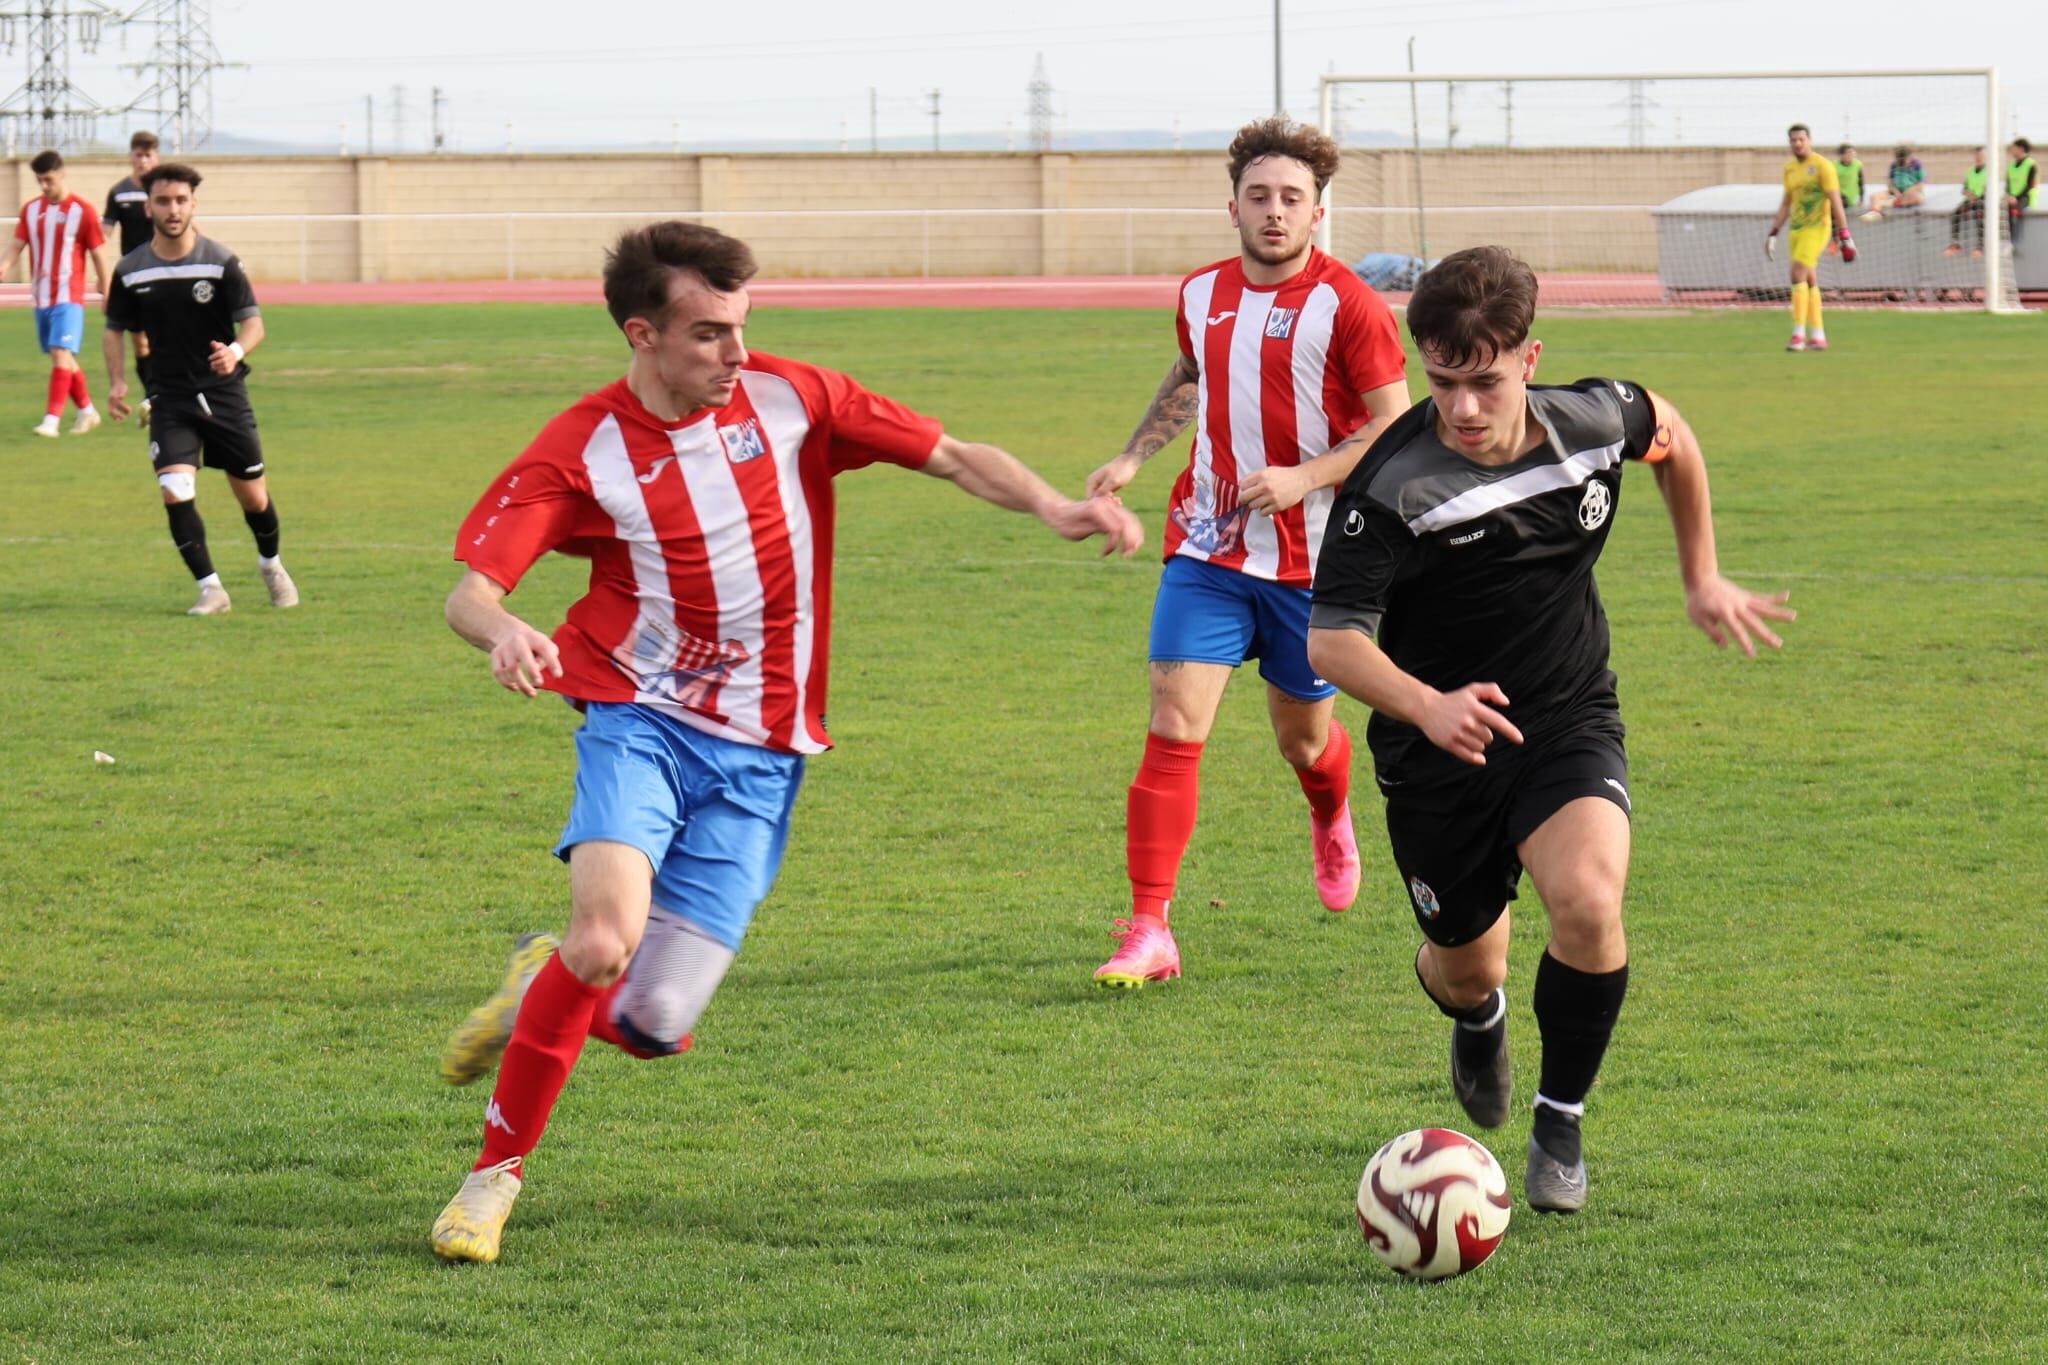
<point>114,351</point>
<point>1173,407</point>
<point>1276,488</point>
<point>520,655</point>
<point>1721,609</point>
<point>996,476</point>
<point>1461,722</point>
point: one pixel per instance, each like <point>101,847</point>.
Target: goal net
<point>1658,190</point>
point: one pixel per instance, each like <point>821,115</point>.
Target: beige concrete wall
<point>856,214</point>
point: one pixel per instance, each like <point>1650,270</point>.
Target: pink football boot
<point>1336,852</point>
<point>1147,953</point>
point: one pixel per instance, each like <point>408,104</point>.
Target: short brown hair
<point>169,170</point>
<point>1278,136</point>
<point>637,268</point>
<point>143,141</point>
<point>1472,305</point>
<point>1799,128</point>
<point>46,162</point>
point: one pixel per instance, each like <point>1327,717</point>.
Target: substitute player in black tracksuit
<point>1465,542</point>
<point>189,296</point>
<point>128,208</point>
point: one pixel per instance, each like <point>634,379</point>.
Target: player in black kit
<point>128,206</point>
<point>1465,541</point>
<point>188,295</point>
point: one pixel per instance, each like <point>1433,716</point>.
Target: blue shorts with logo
<point>712,815</point>
<point>1207,615</point>
<point>61,327</point>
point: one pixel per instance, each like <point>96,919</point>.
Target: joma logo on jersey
<point>743,441</point>
<point>1280,322</point>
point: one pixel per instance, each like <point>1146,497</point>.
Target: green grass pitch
<point>911,1130</point>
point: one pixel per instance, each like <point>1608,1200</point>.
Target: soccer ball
<point>1433,1203</point>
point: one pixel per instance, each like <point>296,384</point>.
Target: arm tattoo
<point>1173,407</point>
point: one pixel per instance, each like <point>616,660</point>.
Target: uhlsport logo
<point>1594,507</point>
<point>743,441</point>
<point>1280,322</point>
<point>1354,523</point>
<point>1425,899</point>
<point>202,291</point>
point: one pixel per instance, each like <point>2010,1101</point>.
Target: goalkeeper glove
<point>1847,244</point>
<point>1771,247</point>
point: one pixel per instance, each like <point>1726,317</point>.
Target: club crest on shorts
<point>1594,507</point>
<point>1425,899</point>
<point>1280,321</point>
<point>743,441</point>
<point>202,291</point>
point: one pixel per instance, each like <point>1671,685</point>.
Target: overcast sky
<point>625,71</point>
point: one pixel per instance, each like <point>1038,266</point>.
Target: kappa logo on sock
<point>494,1117</point>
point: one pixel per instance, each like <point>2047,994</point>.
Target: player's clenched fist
<point>522,658</point>
<point>1462,723</point>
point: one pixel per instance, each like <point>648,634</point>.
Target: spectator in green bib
<point>2022,185</point>
<point>1971,210</point>
<point>1849,171</point>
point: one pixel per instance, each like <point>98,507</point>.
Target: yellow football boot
<point>475,1047</point>
<point>469,1228</point>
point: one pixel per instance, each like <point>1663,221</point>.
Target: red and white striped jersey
<point>709,540</point>
<point>58,236</point>
<point>1281,368</point>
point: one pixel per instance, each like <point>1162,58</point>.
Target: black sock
<point>1481,1027</point>
<point>1575,1011</point>
<point>188,533</point>
<point>1557,1133</point>
<point>263,525</point>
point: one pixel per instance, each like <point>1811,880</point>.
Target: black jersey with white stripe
<point>183,306</point>
<point>128,205</point>
<point>1484,573</point>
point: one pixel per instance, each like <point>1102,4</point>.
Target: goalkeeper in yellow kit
<point>1813,201</point>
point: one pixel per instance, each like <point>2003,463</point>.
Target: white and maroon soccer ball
<point>1433,1203</point>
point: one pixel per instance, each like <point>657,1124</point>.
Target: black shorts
<point>214,429</point>
<point>1455,836</point>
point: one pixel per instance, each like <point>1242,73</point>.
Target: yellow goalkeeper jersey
<point>1808,182</point>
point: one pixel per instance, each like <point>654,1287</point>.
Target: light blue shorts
<point>711,815</point>
<point>1207,615</point>
<point>61,327</point>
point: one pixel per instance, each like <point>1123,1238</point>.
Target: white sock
<point>87,410</point>
<point>271,562</point>
<point>1819,334</point>
<point>212,580</point>
<point>1800,331</point>
<point>1575,1110</point>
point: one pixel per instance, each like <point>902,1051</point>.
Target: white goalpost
<point>1654,189</point>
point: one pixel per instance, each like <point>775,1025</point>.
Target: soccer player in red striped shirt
<point>699,487</point>
<point>60,232</point>
<point>1289,368</point>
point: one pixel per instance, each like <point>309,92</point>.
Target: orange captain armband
<point>1665,419</point>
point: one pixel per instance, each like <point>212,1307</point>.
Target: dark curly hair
<point>1278,136</point>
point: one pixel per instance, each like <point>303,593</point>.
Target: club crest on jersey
<point>743,441</point>
<point>1280,321</point>
<point>202,291</point>
<point>1426,903</point>
<point>1594,507</point>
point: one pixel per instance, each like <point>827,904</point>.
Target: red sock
<point>547,1038</point>
<point>1327,781</point>
<point>1159,819</point>
<point>60,386</point>
<point>605,1029</point>
<point>79,393</point>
